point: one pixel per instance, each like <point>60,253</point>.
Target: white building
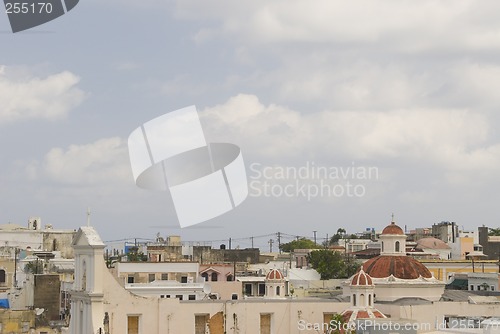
<point>101,305</point>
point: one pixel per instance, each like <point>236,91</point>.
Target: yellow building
<point>444,269</point>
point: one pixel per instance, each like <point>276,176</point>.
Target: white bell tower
<point>87,296</point>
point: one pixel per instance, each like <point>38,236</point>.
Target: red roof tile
<point>392,228</point>
<point>403,267</point>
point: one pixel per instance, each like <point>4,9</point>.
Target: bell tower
<point>87,295</point>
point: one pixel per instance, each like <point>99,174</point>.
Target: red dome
<point>392,228</point>
<point>361,278</point>
<point>403,267</point>
<point>274,274</point>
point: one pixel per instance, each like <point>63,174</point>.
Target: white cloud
<point>32,97</point>
<point>102,162</point>
<point>453,141</point>
<point>403,25</point>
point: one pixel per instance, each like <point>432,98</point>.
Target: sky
<point>394,104</point>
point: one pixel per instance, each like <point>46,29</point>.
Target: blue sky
<point>407,87</point>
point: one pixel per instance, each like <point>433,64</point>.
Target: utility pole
<point>15,267</point>
<point>279,242</point>
<point>271,241</point>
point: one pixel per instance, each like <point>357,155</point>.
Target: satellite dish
<point>39,311</point>
<point>207,289</point>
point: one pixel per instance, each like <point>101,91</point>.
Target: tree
<point>301,243</point>
<point>34,267</point>
<point>494,232</point>
<point>331,264</point>
<point>337,236</point>
<point>134,255</point>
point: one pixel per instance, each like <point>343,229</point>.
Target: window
<point>151,277</point>
<point>248,289</point>
<point>179,297</point>
<point>492,288</point>
<point>382,246</point>
<point>362,299</point>
<point>184,279</point>
<point>229,278</point>
<point>262,289</point>
<point>2,276</point>
<point>471,287</point>
<point>234,296</point>
<point>205,276</point>
<point>397,246</point>
<point>214,277</point>
<point>191,297</point>
<point>164,277</point>
<point>130,279</point>
<point>133,324</point>
<point>353,300</point>
<point>370,299</point>
<point>277,291</point>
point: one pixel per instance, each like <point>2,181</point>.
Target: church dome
<point>431,243</point>
<point>274,275</point>
<point>361,279</point>
<point>392,228</point>
<point>403,267</point>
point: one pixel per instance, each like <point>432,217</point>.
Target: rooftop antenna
<point>88,216</point>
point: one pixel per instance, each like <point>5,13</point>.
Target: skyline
<point>406,88</point>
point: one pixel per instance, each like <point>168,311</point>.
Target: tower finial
<point>88,216</point>
<point>392,218</point>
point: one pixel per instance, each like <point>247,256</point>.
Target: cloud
<point>448,140</point>
<point>32,97</point>
<point>102,162</point>
<point>407,26</point>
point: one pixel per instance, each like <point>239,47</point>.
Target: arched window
<point>2,276</point>
<point>362,300</point>
<point>369,299</point>
<point>353,300</point>
<point>382,246</point>
<point>277,291</point>
<point>214,277</point>
<point>229,278</point>
<point>205,276</point>
<point>397,246</point>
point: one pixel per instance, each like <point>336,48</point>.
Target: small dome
<point>431,243</point>
<point>275,275</point>
<point>361,278</point>
<point>403,267</point>
<point>392,228</point>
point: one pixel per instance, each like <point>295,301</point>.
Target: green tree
<point>34,267</point>
<point>337,236</point>
<point>494,232</point>
<point>134,255</point>
<point>301,243</point>
<point>331,264</point>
